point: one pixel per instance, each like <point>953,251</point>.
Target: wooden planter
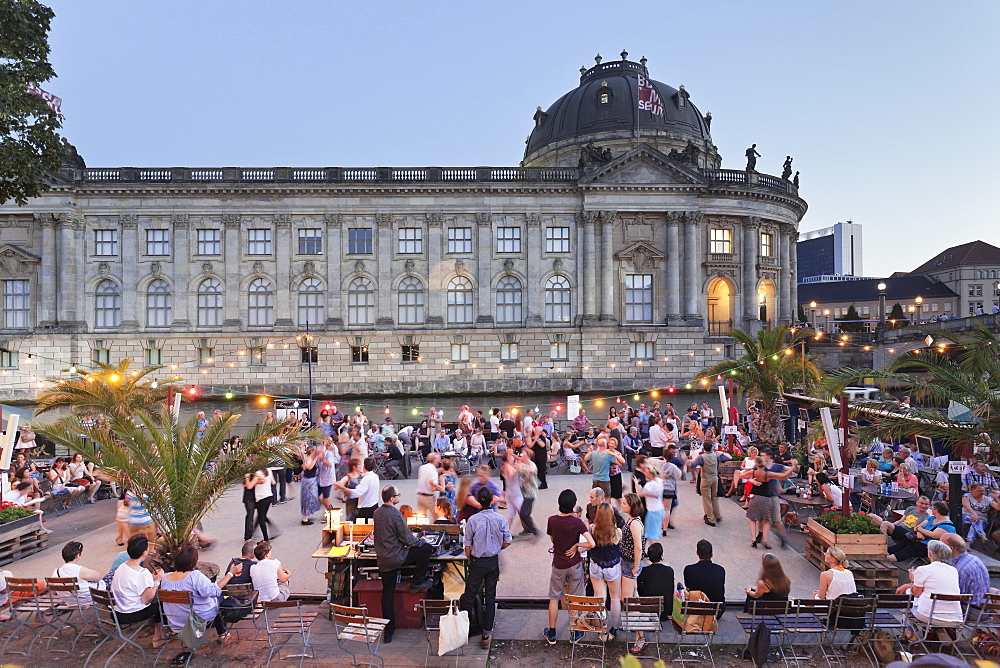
<point>855,546</point>
<point>21,538</point>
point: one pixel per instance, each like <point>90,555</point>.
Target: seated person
<point>979,472</point>
<point>772,583</point>
<point>134,587</point>
<point>85,577</point>
<point>912,516</point>
<point>836,580</point>
<point>871,475</point>
<point>19,494</point>
<point>269,578</point>
<point>885,462</point>
<point>976,506</point>
<point>937,577</point>
<point>245,561</point>
<point>933,528</point>
<point>205,594</point>
<point>4,595</point>
<point>396,466</point>
<point>830,491</point>
<point>706,576</point>
<point>906,479</point>
<point>657,579</point>
<point>973,578</point>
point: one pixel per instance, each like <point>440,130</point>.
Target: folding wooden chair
<point>850,625</point>
<point>697,639</point>
<point>278,623</point>
<point>432,612</point>
<point>186,601</point>
<point>30,605</point>
<point>587,614</point>
<point>107,622</point>
<point>59,590</point>
<point>246,598</point>
<point>642,614</point>
<point>354,625</point>
<point>936,636</point>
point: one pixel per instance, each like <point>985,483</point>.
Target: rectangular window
<point>105,242</point>
<point>359,241</point>
<point>410,353</point>
<point>258,356</point>
<point>101,355</point>
<point>460,352</point>
<point>9,359</point>
<point>310,355</point>
<point>866,310</point>
<point>154,356</point>
<point>559,351</point>
<point>209,242</point>
<point>934,308</point>
<point>206,356</point>
<point>766,244</point>
<point>157,242</point>
<point>556,239</point>
<point>721,240</point>
<point>310,241</point>
<point>258,241</point>
<point>508,239</point>
<point>359,354</point>
<point>639,298</point>
<point>976,290</point>
<point>459,239</point>
<point>643,350</point>
<point>947,306</point>
<point>411,240</point>
<point>508,352</point>
<point>16,304</point>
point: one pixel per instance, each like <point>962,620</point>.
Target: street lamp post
<point>881,312</point>
<point>826,312</point>
<point>920,304</point>
<point>812,321</point>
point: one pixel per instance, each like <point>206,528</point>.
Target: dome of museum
<point>602,110</point>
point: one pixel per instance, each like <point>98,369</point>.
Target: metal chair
<point>587,614</point>
<point>689,639</point>
<point>772,614</point>
<point>107,622</point>
<point>354,625</point>
<point>890,613</point>
<point>29,606</point>
<point>432,612</point>
<point>987,618</point>
<point>806,624</point>
<point>59,502</point>
<point>186,601</point>
<point>853,618</point>
<point>60,590</point>
<point>642,614</point>
<point>246,598</point>
<point>278,623</point>
<point>934,636</point>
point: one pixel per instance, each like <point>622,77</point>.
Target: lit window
<point>361,302</point>
<point>639,298</point>
<point>259,241</point>
<point>359,241</point>
<point>556,239</point>
<point>509,298</point>
<point>459,239</point>
<point>508,239</point>
<point>16,304</point>
<point>721,240</point>
<point>410,301</point>
<point>105,242</point>
<point>411,240</point>
<point>260,303</point>
<point>311,298</point>
<point>108,304</point>
<point>766,244</point>
<point>159,304</point>
<point>258,356</point>
<point>310,241</point>
<point>557,300</point>
<point>508,352</point>
<point>410,354</point>
<point>643,350</point>
<point>460,301</point>
<point>460,352</point>
<point>359,354</point>
<point>209,242</point>
<point>210,303</point>
<point>604,98</point>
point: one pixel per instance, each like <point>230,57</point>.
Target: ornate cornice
<point>231,220</point>
<point>128,221</point>
<point>751,223</point>
<point>383,220</point>
<point>282,219</point>
<point>180,221</point>
<point>333,219</point>
<point>435,219</point>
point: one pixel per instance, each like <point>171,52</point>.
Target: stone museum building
<point>614,257</point>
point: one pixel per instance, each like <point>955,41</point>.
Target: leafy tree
<point>897,317</point>
<point>802,314</point>
<point>770,366</point>
<point>30,144</point>
<point>850,321</point>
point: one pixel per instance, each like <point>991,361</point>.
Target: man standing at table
<point>396,547</point>
<point>427,484</point>
<point>486,533</point>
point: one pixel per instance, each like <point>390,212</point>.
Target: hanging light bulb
<point>154,384</point>
<point>636,397</point>
<point>386,410</point>
<point>654,393</point>
<point>72,368</point>
<point>671,390</point>
<point>114,378</point>
<point>229,395</point>
<point>687,386</point>
<point>413,412</point>
<point>263,401</point>
<point>193,391</point>
<point>357,409</point>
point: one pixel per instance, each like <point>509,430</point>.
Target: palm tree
<point>955,381</point>
<point>768,368</point>
<point>112,390</point>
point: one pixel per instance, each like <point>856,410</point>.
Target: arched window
<point>410,301</point>
<point>159,304</point>
<point>210,303</point>
<point>108,304</point>
<point>361,302</point>
<point>558,297</point>
<point>509,299</point>
<point>260,303</point>
<point>311,302</point>
<point>460,301</point>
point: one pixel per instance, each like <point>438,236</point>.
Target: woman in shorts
<point>605,562</point>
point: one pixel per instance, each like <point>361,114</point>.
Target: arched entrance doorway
<point>721,303</point>
<point>766,303</point>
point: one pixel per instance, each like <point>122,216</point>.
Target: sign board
<point>724,403</point>
<point>7,450</point>
<point>832,437</point>
<point>845,480</point>
<point>730,429</point>
<point>957,468</point>
<point>572,406</point>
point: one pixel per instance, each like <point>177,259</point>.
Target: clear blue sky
<point>890,109</point>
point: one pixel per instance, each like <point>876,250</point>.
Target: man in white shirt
<point>494,426</point>
<point>527,423</point>
<point>134,587</point>
<point>427,484</point>
<point>937,577</point>
<point>657,437</point>
<point>367,491</point>
<point>904,453</point>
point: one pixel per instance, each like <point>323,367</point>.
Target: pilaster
<point>282,271</point>
<point>433,306</point>
<point>484,302</point>
<point>534,290</point>
<point>233,259</point>
<point>130,254</point>
<point>607,266</point>
<point>334,279</point>
<point>692,273</point>
<point>673,287</point>
<point>181,253</point>
<point>385,253</point>
<point>750,241</point>
<point>48,304</point>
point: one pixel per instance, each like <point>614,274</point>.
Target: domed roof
<point>606,101</point>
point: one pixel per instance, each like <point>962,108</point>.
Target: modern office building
<point>829,253</point>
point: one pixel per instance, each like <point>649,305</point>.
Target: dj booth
<point>352,568</point>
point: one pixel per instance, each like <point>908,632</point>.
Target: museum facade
<point>609,259</point>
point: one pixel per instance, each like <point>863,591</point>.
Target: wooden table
<point>806,504</point>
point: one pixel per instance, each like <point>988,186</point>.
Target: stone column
<point>692,272</point>
<point>130,254</point>
<point>48,303</point>
<point>534,290</point>
<point>332,256</point>
<point>589,250</point>
<point>433,309</point>
<point>73,258</point>
<point>607,270</point>
<point>750,241</point>
<point>383,269</point>
<point>232,260</point>
<point>282,273</point>
<point>784,277</point>
<point>793,271</point>
<point>673,287</point>
<point>484,301</point>
<point>181,266</point>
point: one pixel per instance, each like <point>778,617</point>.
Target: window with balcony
<point>721,240</point>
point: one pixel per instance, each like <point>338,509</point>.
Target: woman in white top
<point>85,577</point>
<point>652,494</point>
<point>269,578</point>
<point>460,444</point>
<point>82,473</point>
<point>833,493</point>
<point>937,577</point>
<point>477,445</point>
<point>261,482</point>
<point>871,475</point>
<point>836,580</point>
<point>746,471</point>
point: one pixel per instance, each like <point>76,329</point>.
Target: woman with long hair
<point>605,562</point>
<point>465,509</point>
<point>772,583</point>
<point>350,481</point>
<point>511,473</point>
<point>424,439</point>
<point>631,548</point>
<point>444,511</point>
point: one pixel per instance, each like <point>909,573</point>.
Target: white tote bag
<point>454,630</point>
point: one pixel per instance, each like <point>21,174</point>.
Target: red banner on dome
<point>649,99</point>
<point>54,103</point>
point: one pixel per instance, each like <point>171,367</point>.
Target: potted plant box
<point>854,545</point>
<point>21,536</point>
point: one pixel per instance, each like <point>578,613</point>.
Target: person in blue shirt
<point>934,528</point>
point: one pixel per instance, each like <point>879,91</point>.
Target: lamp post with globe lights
<point>812,319</point>
<point>881,311</point>
<point>826,312</point>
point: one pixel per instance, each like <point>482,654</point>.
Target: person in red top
<point>568,533</point>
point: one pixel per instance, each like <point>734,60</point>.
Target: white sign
<point>846,480</point>
<point>7,450</point>
<point>572,406</point>
<point>957,468</point>
<point>832,437</point>
<point>724,403</point>
<point>730,429</point>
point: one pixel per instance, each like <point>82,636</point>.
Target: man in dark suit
<point>705,576</point>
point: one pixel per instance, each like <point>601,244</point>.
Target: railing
<point>742,177</point>
<point>720,328</point>
<point>725,258</point>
